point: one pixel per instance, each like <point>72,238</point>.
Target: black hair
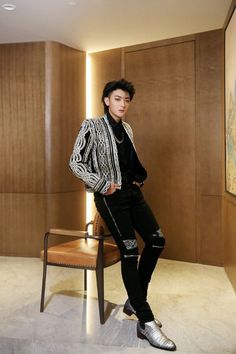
<point>115,85</point>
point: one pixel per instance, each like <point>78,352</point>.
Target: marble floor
<point>196,304</point>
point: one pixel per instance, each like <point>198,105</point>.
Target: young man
<point>104,157</point>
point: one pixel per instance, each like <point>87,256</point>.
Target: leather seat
<point>89,252</point>
<point>82,253</point>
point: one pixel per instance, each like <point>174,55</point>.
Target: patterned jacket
<point>95,157</point>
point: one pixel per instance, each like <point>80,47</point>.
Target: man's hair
<point>121,84</point>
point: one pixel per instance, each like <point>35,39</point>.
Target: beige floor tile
<point>196,304</point>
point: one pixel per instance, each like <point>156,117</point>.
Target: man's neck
<point>117,119</point>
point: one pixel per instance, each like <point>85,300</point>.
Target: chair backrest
<point>99,226</point>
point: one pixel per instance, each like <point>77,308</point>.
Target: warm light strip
<point>88,87</point>
<point>89,196</point>
<point>89,207</point>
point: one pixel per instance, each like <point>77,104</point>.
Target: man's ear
<point>107,101</point>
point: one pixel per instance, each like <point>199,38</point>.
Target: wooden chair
<point>88,252</point>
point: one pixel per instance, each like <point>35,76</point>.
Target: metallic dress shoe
<point>129,311</point>
<point>155,336</point>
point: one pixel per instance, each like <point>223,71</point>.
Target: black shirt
<point>124,147</point>
<point>130,166</point>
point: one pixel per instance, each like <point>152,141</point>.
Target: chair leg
<point>100,289</point>
<point>43,286</point>
<point>85,279</point>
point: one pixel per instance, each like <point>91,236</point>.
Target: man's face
<point>118,103</point>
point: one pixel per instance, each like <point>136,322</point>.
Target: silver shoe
<point>129,311</point>
<point>154,335</point>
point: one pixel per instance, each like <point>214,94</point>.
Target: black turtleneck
<point>124,147</point>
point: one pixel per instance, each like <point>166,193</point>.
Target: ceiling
<point>95,25</point>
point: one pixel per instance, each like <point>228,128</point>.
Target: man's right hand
<point>113,187</point>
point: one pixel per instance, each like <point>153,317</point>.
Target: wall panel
<point>210,127</point>
<point>210,110</point>
<point>22,220</point>
<point>229,215</point>
<point>42,103</point>
<point>66,210</point>
<point>163,119</point>
<point>65,100</point>
<point>22,118</point>
<point>209,230</point>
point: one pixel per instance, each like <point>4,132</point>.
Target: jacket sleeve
<point>81,161</point>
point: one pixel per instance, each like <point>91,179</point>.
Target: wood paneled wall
<point>210,139</point>
<point>22,176</point>
<point>229,216</point>
<point>41,107</point>
<point>65,110</point>
<point>22,111</point>
<point>163,120</point>
<point>177,120</point>
<point>229,229</point>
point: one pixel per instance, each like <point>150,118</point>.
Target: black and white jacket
<point>95,157</point>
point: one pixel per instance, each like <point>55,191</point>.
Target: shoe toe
<point>152,332</point>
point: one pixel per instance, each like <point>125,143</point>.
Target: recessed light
<point>9,7</point>
<point>72,3</point>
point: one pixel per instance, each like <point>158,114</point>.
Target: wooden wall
<point>177,117</point>
<point>42,100</point>
<point>163,119</point>
<point>65,110</point>
<point>229,216</point>
<point>209,145</point>
<point>105,66</point>
<point>229,229</point>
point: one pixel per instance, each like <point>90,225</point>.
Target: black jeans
<point>125,212</point>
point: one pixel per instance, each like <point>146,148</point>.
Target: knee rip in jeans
<point>158,239</point>
<point>131,248</point>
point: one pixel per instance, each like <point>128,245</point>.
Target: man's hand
<point>113,187</point>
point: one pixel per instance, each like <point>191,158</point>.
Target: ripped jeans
<point>125,212</point>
